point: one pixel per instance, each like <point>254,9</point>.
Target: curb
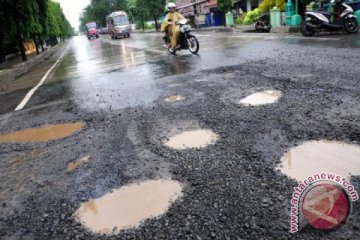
<point>209,29</point>
<point>285,29</point>
<point>24,67</point>
<point>241,28</point>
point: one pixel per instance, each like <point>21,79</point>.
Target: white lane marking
<point>43,79</point>
<point>136,48</point>
<point>156,51</point>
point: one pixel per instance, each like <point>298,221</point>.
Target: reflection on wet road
<point>104,73</point>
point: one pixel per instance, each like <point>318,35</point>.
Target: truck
<point>118,24</point>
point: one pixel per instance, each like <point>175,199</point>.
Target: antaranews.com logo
<point>323,200</point>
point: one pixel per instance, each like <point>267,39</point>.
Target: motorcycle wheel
<point>257,27</point>
<point>193,45</point>
<point>268,28</point>
<point>305,30</point>
<point>351,25</point>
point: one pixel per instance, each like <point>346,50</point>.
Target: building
<point>205,12</point>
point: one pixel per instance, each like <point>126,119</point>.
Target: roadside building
<point>205,13</point>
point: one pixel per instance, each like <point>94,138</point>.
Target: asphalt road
<point>117,90</point>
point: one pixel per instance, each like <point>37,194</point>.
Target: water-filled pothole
<point>128,206</point>
<point>261,98</point>
<point>72,166</point>
<point>192,139</point>
<point>174,98</point>
<point>321,156</point>
<point>42,134</point>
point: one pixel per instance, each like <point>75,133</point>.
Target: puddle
<point>261,98</point>
<point>42,134</point>
<point>174,98</point>
<point>78,163</point>
<point>128,206</point>
<point>201,80</point>
<point>321,156</point>
<point>192,139</point>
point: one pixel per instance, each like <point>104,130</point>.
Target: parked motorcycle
<point>187,39</point>
<point>262,23</point>
<point>344,19</point>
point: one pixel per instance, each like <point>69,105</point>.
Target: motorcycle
<point>187,40</point>
<point>315,21</point>
<point>262,23</point>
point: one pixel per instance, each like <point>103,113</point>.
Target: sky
<point>72,10</point>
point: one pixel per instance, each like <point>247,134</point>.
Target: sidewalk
<point>14,68</point>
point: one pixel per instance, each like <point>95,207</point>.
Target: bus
<point>118,24</point>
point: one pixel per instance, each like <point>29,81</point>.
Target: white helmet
<point>171,5</point>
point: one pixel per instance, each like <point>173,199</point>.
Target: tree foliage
<point>267,5</point>
<point>140,11</point>
<point>97,11</point>
<point>224,5</point>
<point>251,16</point>
<point>30,20</point>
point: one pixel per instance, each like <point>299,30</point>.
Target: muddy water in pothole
<point>261,98</point>
<point>42,134</point>
<point>192,139</point>
<point>174,98</point>
<point>72,166</point>
<point>128,206</point>
<point>321,156</point>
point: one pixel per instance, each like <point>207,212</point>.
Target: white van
<point>118,24</point>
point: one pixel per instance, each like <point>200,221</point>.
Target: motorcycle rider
<point>169,24</point>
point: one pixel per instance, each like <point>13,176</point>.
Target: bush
<point>281,4</point>
<point>267,5</point>
<point>147,26</point>
<point>252,16</point>
<point>240,19</point>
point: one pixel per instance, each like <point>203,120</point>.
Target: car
<point>91,30</point>
<point>104,30</point>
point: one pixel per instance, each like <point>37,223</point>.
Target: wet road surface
<point>132,99</point>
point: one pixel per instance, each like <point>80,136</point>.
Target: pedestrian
<point>212,19</point>
<point>196,20</point>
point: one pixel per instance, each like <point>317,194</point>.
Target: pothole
<point>261,98</point>
<point>174,98</point>
<point>192,139</point>
<point>321,157</point>
<point>72,166</point>
<point>128,206</point>
<point>42,134</point>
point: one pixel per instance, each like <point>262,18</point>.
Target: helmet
<point>171,5</point>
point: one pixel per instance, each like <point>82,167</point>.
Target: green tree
<point>138,9</point>
<point>22,20</point>
<point>224,6</point>
<point>54,21</point>
<point>42,17</point>
<point>155,9</point>
<point>30,20</point>
<point>97,11</point>
<point>2,33</point>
